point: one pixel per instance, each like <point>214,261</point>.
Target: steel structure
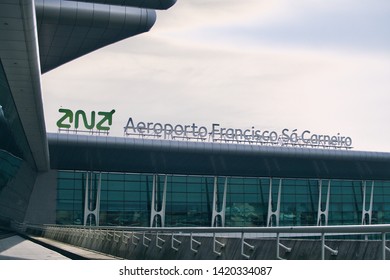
<point>144,235</point>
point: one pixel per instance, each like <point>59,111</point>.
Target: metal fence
<point>143,235</point>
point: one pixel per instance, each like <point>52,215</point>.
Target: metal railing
<point>142,235</point>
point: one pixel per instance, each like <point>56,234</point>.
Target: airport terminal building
<point>69,178</point>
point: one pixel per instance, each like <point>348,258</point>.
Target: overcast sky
<point>273,64</point>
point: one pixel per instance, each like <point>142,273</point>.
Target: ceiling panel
<point>151,4</point>
<point>20,60</point>
<point>63,27</point>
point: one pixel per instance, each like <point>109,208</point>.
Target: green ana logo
<point>67,119</point>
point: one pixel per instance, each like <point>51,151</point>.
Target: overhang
<point>37,36</point>
<point>150,4</point>
<point>117,154</point>
<point>70,29</point>
<point>20,59</point>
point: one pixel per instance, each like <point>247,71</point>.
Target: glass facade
<point>13,139</point>
<point>17,175</point>
<point>126,199</point>
<point>9,166</point>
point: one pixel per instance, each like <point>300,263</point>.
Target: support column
<point>216,213</point>
<point>278,245</point>
<point>323,213</point>
<point>155,213</point>
<point>88,199</point>
<point>367,213</point>
<point>383,245</point>
<point>322,246</point>
<point>275,213</point>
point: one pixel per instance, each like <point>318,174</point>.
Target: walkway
<point>15,247</point>
<point>18,248</point>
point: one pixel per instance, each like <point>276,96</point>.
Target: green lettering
<point>107,116</point>
<point>67,114</point>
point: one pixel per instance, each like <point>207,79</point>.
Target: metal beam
<point>88,202</point>
<point>221,213</point>
<point>158,210</point>
<point>323,212</point>
<point>274,213</point>
<point>354,229</point>
<point>367,212</point>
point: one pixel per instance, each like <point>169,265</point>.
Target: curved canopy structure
<point>150,4</point>
<point>70,29</point>
<point>81,152</point>
<point>37,36</point>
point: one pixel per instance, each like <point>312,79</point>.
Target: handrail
<point>344,229</point>
<point>381,229</point>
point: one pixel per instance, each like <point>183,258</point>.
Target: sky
<point>318,65</point>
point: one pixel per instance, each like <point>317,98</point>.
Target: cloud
<point>171,74</point>
<point>191,14</point>
<point>346,24</point>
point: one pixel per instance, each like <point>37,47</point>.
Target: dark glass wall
<point>9,167</point>
<point>13,139</point>
<point>126,200</point>
<point>17,175</point>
